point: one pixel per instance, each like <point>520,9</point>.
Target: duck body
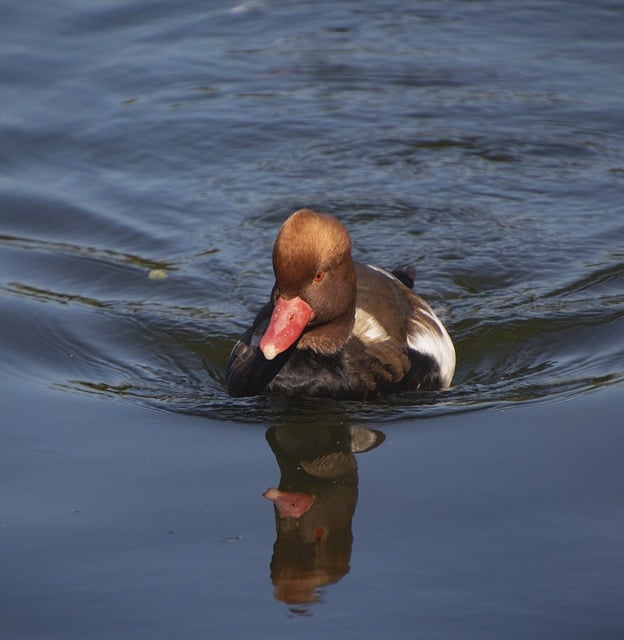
<point>336,328</point>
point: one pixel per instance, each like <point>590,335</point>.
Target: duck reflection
<point>314,506</point>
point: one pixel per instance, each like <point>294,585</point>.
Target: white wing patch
<point>367,328</point>
<point>383,271</point>
<point>425,333</point>
<point>439,346</point>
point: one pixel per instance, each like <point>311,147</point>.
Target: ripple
<point>164,344</point>
<point>482,173</point>
<point>528,361</point>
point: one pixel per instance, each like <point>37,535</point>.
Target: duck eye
<point>318,277</point>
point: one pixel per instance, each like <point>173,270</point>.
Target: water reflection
<point>314,507</point>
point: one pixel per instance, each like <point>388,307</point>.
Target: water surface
<point>480,142</point>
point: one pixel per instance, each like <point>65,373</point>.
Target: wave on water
<point>147,167</point>
<point>513,347</point>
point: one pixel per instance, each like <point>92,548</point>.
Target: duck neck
<point>330,337</point>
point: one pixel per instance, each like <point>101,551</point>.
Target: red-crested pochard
<point>337,328</point>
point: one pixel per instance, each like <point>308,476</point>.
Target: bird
<point>337,328</point>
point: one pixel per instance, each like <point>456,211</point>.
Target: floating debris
<point>232,539</point>
<point>157,274</point>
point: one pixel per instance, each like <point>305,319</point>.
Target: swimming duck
<point>338,328</point>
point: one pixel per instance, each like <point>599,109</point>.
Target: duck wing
<point>405,346</point>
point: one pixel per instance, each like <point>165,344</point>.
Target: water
<point>478,141</point>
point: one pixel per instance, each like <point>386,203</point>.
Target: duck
<point>337,328</point>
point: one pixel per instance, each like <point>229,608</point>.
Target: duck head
<point>314,293</point>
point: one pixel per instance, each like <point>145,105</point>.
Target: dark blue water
<point>149,153</point>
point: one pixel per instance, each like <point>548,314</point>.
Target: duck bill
<point>290,504</point>
<point>287,323</point>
